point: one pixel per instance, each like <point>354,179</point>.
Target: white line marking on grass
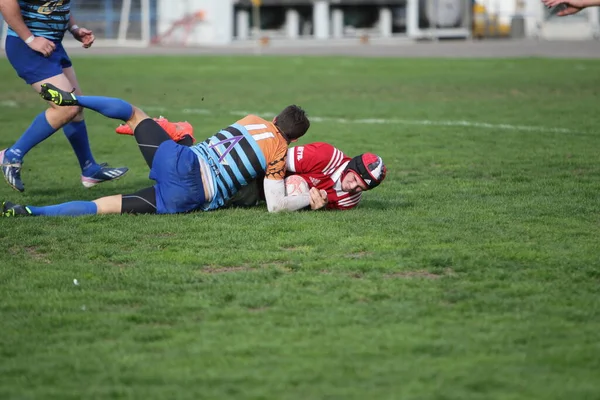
<point>363,121</point>
<point>391,121</point>
<point>9,104</point>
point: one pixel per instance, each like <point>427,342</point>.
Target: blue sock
<point>76,132</point>
<point>73,209</point>
<point>38,131</point>
<point>108,106</point>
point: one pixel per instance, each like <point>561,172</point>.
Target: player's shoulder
<point>320,146</point>
<point>252,119</point>
<point>322,151</point>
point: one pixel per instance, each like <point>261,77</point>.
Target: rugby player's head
<point>292,122</point>
<point>363,172</point>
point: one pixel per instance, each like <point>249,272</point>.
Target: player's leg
<point>149,137</point>
<point>92,173</point>
<point>141,202</point>
<point>110,107</point>
<point>148,133</point>
<point>34,69</point>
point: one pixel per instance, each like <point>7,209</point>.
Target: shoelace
<point>12,165</point>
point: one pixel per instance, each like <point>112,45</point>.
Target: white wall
<point>504,9</point>
<point>580,26</point>
<point>216,29</point>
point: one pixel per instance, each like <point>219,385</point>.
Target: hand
<point>84,36</point>
<point>318,198</point>
<point>571,6</point>
<point>42,45</point>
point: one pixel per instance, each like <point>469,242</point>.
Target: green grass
<point>472,272</point>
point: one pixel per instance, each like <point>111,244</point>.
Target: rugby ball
<point>295,185</point>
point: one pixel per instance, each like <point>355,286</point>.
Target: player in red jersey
<point>344,178</point>
<point>340,179</point>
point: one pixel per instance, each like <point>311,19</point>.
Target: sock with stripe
<point>72,209</point>
<point>38,131</point>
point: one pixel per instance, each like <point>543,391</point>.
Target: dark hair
<point>292,122</point>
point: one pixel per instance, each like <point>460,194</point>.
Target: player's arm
<point>575,3</point>
<point>83,35</point>
<point>277,200</point>
<point>570,7</point>
<point>274,188</point>
<point>11,12</point>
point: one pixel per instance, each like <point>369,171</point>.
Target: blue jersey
<point>235,158</point>
<point>49,19</point>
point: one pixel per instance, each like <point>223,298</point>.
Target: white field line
<point>8,104</point>
<point>363,121</point>
<point>385,121</point>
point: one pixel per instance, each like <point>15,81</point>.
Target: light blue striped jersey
<point>234,158</point>
<point>49,19</point>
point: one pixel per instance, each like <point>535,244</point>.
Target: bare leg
<point>109,204</point>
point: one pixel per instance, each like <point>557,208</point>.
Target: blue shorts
<point>32,66</point>
<point>176,170</point>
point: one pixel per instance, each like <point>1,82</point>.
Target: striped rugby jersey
<point>250,149</point>
<point>321,165</point>
<point>47,18</point>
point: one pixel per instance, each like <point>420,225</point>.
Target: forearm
<point>11,12</point>
<point>72,23</point>
<point>277,200</point>
<point>591,3</point>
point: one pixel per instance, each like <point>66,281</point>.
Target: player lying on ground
<point>322,166</point>
<point>34,48</point>
<point>201,177</point>
<point>570,6</point>
<point>319,165</point>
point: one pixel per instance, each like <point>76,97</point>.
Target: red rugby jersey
<point>321,165</point>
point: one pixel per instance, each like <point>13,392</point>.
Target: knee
<point>137,117</point>
<point>71,113</point>
<point>79,116</point>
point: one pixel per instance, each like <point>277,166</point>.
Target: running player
<point>34,48</point>
<point>201,177</point>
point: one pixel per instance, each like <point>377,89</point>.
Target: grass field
<point>472,272</point>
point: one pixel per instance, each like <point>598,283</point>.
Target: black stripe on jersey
<point>44,3</point>
<point>234,153</point>
<point>234,180</point>
<point>249,151</point>
<point>46,21</point>
<point>220,191</point>
<point>58,31</point>
<point>240,164</point>
<point>56,16</point>
<point>225,185</point>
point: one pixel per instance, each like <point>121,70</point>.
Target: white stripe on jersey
<point>335,158</point>
<point>255,127</point>
<point>210,188</point>
<point>291,159</point>
<point>337,181</point>
<point>262,136</point>
<point>350,201</point>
